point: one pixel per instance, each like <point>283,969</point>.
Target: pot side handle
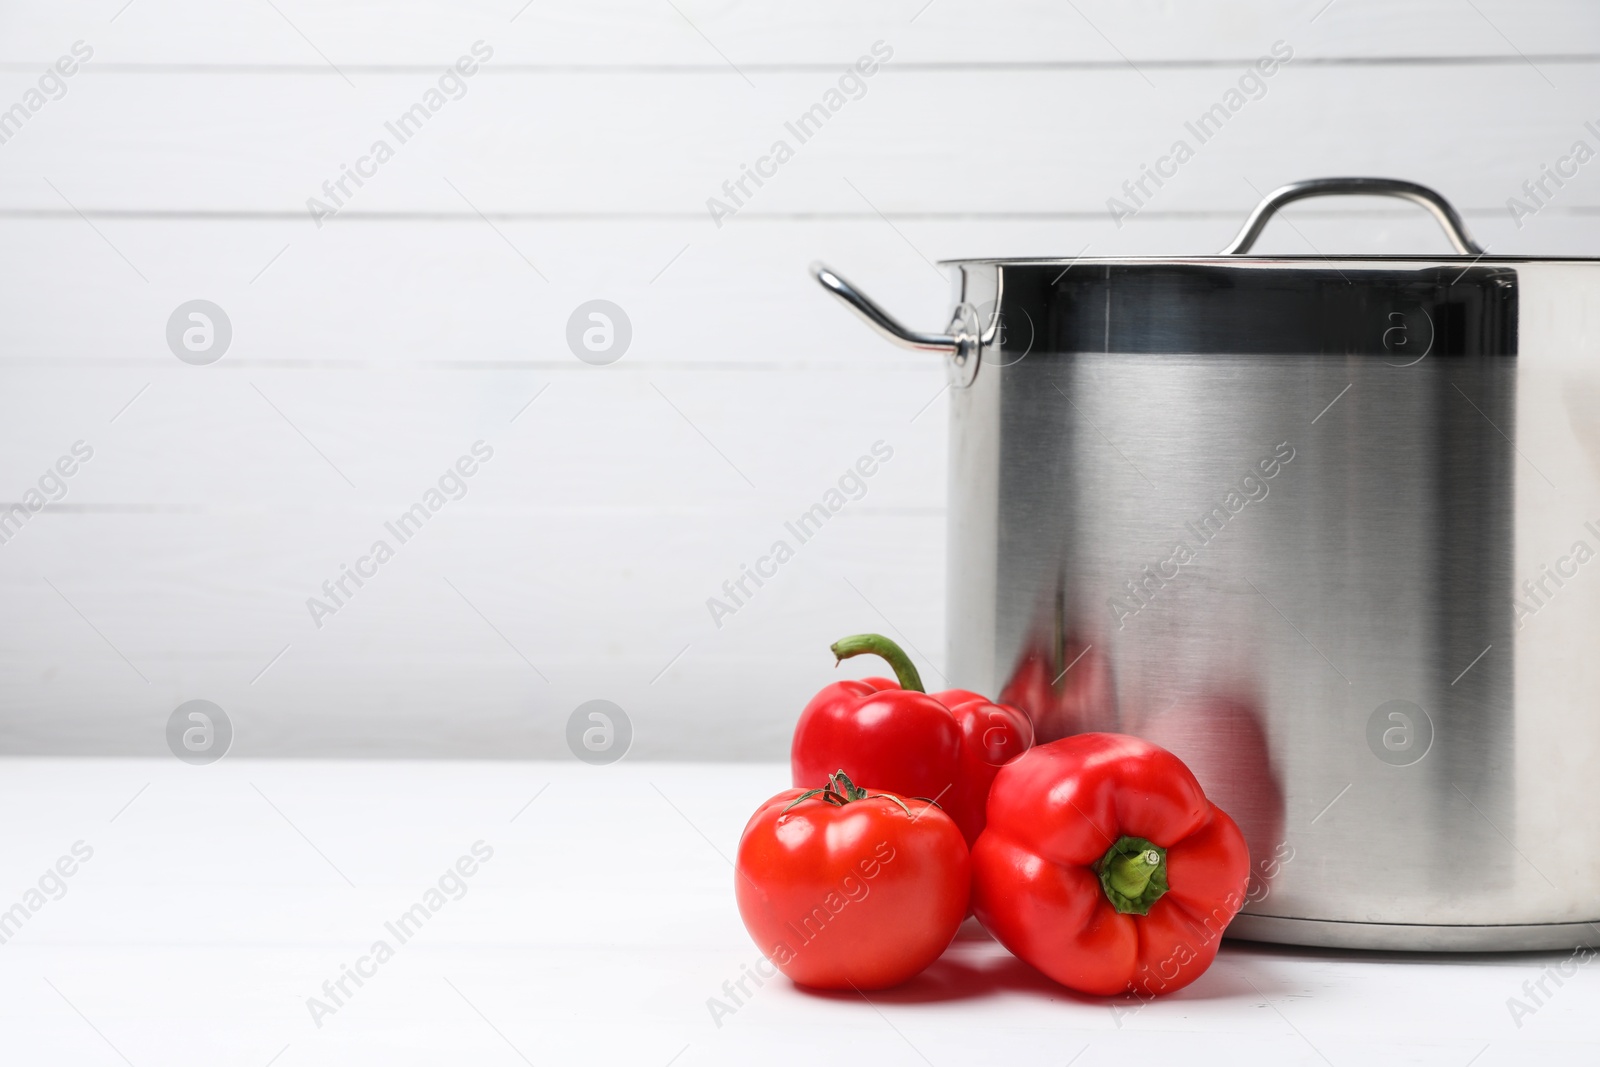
<point>881,321</point>
<point>1438,206</point>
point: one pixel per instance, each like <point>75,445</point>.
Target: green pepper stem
<point>878,645</point>
<point>1133,873</point>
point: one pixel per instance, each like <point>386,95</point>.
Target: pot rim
<point>1377,260</point>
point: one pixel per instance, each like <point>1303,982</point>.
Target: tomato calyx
<point>1133,873</point>
<point>840,791</point>
<point>905,672</point>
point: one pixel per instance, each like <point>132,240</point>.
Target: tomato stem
<point>905,671</point>
<point>1133,873</point>
<point>840,791</point>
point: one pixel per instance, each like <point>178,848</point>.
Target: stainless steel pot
<point>1328,528</point>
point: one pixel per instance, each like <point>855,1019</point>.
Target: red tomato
<point>847,889</point>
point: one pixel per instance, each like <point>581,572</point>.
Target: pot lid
<point>1461,304</point>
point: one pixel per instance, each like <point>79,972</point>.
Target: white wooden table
<point>218,900</point>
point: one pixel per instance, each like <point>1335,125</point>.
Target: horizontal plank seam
<point>721,70</point>
<point>1095,214</point>
<point>849,366</point>
<point>223,511</point>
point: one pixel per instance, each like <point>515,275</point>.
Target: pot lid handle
<point>1421,195</point>
<point>880,320</point>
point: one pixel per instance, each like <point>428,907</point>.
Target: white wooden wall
<point>369,353</point>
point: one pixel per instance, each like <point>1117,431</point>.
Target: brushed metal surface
<point>1277,515</point>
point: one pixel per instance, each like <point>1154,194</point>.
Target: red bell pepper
<point>1104,865</point>
<point>1065,685</point>
<point>945,747</point>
